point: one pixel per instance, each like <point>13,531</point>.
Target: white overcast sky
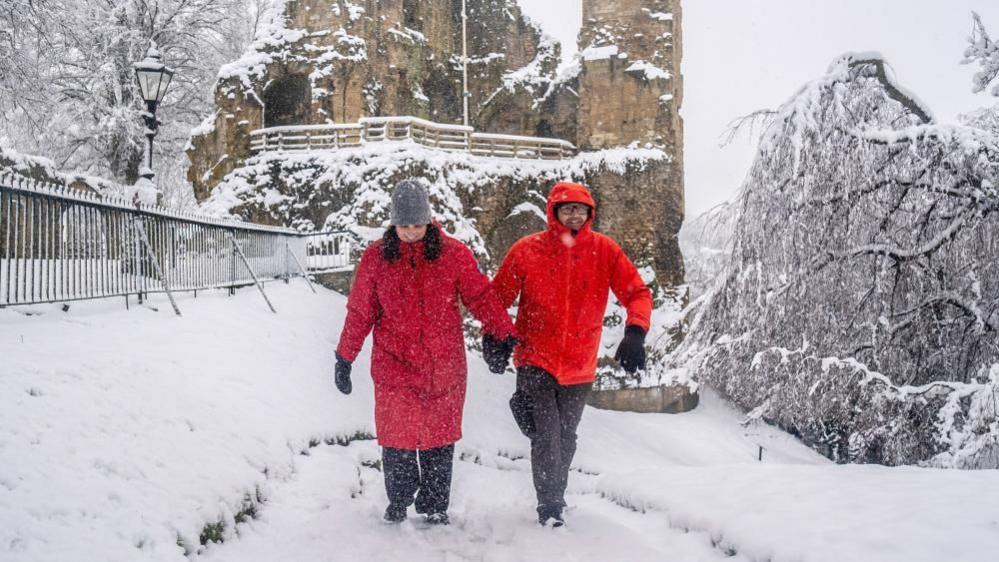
<point>743,55</point>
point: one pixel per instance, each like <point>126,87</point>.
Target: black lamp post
<point>154,79</point>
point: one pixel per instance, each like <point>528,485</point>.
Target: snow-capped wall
<point>486,202</point>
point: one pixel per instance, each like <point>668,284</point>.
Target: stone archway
<point>287,101</point>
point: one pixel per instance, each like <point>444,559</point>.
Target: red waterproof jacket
<point>418,355</point>
<point>563,282</point>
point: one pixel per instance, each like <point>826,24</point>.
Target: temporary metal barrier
<point>59,244</point>
<point>327,252</point>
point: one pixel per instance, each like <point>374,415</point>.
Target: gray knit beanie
<point>410,204</point>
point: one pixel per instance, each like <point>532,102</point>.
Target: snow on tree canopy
<point>860,306</point>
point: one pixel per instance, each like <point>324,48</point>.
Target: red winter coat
<point>418,356</point>
<point>563,282</point>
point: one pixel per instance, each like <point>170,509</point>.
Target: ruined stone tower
<point>630,88</point>
<point>630,91</point>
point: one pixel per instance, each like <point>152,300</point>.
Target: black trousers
<point>548,413</point>
<point>423,474</point>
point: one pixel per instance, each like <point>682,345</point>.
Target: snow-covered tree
<point>860,305</point>
<point>68,88</point>
<point>984,52</point>
<point>984,118</point>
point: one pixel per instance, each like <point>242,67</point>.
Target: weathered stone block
<point>658,399</point>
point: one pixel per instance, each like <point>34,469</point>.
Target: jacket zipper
<point>565,310</point>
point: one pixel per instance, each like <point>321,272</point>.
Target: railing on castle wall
<point>420,131</point>
<point>59,245</point>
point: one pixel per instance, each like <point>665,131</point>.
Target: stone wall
<point>652,400</point>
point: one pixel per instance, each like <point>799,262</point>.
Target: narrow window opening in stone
<point>544,129</point>
<point>287,101</point>
<point>411,13</point>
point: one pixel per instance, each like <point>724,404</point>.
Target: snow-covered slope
<point>137,435</point>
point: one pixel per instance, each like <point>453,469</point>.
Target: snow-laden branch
<point>894,91</point>
<point>902,254</point>
<point>982,50</point>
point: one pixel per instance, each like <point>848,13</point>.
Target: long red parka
<point>563,283</point>
<point>418,353</point>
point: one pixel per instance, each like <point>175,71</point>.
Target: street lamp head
<point>154,77</point>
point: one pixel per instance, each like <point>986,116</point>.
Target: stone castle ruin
<point>337,61</point>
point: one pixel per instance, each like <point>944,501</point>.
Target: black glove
<point>631,353</point>
<point>343,375</point>
<point>497,352</point>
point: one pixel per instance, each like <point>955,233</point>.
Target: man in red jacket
<point>562,277</point>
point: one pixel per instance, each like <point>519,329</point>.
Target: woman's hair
<point>433,244</point>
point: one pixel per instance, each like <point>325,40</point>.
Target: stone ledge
<point>657,399</point>
<point>339,281</point>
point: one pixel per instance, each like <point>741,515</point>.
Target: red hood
<point>566,192</point>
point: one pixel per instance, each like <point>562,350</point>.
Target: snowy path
<point>331,510</point>
<point>124,435</point>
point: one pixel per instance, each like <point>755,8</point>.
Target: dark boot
<point>550,516</point>
<point>438,519</point>
<point>395,513</point>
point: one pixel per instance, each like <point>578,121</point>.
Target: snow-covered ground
<point>123,434</point>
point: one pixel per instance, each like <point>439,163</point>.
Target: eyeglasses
<point>574,209</point>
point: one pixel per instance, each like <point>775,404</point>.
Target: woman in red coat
<point>407,289</point>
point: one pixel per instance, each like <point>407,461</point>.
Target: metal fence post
<point>137,257</point>
<point>232,266</point>
<point>287,264</point>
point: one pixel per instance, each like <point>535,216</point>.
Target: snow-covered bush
<point>860,306</point>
